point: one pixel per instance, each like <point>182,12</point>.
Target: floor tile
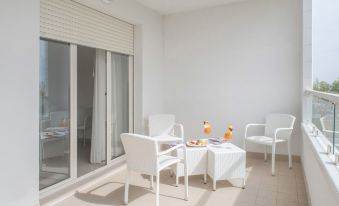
<point>286,203</point>
<point>262,189</point>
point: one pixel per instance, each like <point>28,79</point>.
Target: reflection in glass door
<point>54,138</point>
<point>119,101</point>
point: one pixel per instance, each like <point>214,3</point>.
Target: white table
<point>196,162</point>
<point>225,162</point>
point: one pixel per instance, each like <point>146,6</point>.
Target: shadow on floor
<point>116,196</point>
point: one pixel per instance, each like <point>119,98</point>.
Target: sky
<point>325,40</point>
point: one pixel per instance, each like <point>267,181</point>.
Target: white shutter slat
<point>69,21</point>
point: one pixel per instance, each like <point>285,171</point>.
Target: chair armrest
<point>252,125</point>
<point>279,130</point>
<point>181,128</point>
<point>170,149</point>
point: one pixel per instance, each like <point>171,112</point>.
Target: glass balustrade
<point>326,118</point>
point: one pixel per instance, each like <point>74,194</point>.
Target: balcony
<point>246,91</point>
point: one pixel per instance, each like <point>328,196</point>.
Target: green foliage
<point>316,85</point>
<point>335,86</point>
<point>326,87</point>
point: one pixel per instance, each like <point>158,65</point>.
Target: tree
<point>335,86</point>
<point>316,84</point>
<point>324,86</point>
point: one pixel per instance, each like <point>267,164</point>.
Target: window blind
<point>69,21</point>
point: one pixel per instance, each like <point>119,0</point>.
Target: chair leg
<point>126,187</point>
<point>273,159</point>
<point>177,173</point>
<point>157,190</point>
<point>185,173</point>
<point>205,178</point>
<point>289,154</point>
<point>151,182</point>
<point>265,157</point>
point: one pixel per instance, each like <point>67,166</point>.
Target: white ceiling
<point>174,6</point>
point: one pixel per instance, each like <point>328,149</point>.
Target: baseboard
<point>281,157</point>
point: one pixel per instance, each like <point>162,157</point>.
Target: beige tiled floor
<point>287,188</point>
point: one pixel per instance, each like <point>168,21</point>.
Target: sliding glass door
<point>86,102</point>
<point>54,115</point>
<point>119,101</point>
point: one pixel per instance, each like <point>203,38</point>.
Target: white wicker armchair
<point>139,147</point>
<point>162,127</point>
<point>278,129</point>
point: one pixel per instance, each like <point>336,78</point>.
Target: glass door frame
<point>73,119</point>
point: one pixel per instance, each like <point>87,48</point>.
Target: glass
<point>91,109</point>
<point>323,118</point>
<point>54,118</point>
<point>120,102</point>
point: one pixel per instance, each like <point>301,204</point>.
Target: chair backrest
<point>141,152</point>
<point>274,121</point>
<point>327,125</point>
<point>160,124</point>
<point>327,122</point>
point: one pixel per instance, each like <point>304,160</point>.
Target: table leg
<point>243,183</point>
<point>205,178</point>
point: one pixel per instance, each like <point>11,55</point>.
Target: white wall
<point>234,64</point>
<point>149,58</point>
<point>321,190</point>
<point>19,106</point>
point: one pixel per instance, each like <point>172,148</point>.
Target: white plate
<point>194,145</point>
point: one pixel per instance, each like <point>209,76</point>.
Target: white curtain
<point>98,142</point>
<point>119,101</point>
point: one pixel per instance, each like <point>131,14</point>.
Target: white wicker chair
<point>162,126</point>
<point>278,129</point>
<point>144,157</point>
